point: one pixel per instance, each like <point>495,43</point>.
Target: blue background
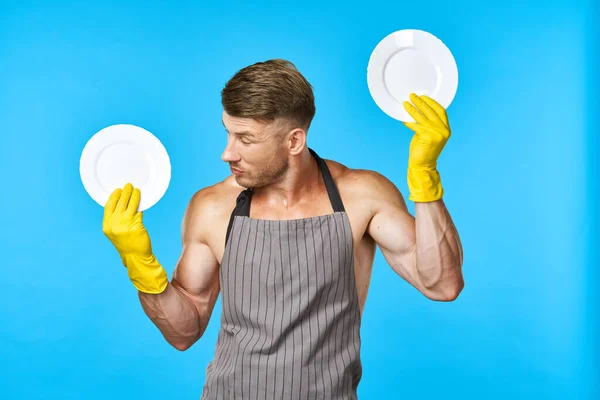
<point>518,172</point>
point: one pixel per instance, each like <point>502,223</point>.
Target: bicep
<point>392,227</point>
<point>393,231</point>
<point>197,271</point>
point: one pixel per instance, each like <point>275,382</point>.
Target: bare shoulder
<point>364,185</point>
<point>210,208</point>
<point>217,197</point>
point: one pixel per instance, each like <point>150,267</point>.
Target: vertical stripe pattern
<point>290,322</point>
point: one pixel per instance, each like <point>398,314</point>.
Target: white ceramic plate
<point>411,61</point>
<point>125,153</point>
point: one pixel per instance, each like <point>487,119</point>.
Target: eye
<point>241,138</point>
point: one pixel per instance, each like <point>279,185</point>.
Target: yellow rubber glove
<point>123,226</point>
<point>432,131</point>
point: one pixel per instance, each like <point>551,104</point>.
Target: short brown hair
<point>268,91</point>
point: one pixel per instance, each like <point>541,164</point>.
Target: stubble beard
<point>269,175</point>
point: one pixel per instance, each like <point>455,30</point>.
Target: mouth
<point>235,171</point>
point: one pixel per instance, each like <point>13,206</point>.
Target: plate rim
<point>376,67</point>
<point>150,143</point>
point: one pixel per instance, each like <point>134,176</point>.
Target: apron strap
<point>242,206</point>
<point>332,191</point>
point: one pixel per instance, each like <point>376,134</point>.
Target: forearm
<point>175,315</point>
<point>439,254</point>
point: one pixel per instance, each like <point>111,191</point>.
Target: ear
<point>296,141</point>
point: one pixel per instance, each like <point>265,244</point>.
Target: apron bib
<point>290,322</point>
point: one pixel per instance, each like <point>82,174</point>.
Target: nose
<point>229,155</point>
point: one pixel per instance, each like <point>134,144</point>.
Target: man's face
<point>256,149</point>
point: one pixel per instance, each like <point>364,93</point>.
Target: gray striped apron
<point>290,322</point>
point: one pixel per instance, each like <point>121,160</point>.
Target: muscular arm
<point>183,310</point>
<point>425,250</point>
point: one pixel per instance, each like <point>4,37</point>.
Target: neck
<point>298,185</point>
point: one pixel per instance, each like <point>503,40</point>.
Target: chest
<point>357,214</point>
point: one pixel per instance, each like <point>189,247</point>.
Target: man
<point>288,240</point>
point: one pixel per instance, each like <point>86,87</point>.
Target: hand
<point>432,131</point>
<point>123,225</point>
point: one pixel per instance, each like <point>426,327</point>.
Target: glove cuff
<point>146,273</point>
<point>424,185</point>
